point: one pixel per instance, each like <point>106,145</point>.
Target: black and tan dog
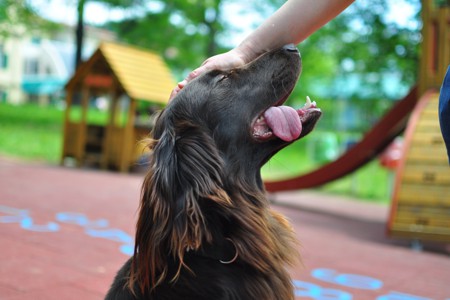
<point>205,228</point>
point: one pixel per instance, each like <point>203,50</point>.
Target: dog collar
<point>225,251</point>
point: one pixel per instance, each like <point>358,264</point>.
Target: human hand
<point>224,61</point>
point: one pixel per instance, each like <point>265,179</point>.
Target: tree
<point>184,32</point>
<point>187,32</point>
<point>79,31</point>
<point>18,17</point>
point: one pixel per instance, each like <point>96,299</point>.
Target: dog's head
<point>210,141</point>
<point>242,109</point>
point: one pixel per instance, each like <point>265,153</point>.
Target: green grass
<point>289,162</point>
<point>35,133</point>
<point>31,132</point>
<point>369,183</point>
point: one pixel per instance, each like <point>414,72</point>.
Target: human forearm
<point>292,23</point>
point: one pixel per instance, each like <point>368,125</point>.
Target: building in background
<point>35,68</point>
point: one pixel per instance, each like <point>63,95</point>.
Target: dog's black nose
<point>290,48</point>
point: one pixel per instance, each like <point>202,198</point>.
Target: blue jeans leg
<point>444,110</point>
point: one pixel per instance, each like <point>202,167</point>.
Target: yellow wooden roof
<point>142,74</point>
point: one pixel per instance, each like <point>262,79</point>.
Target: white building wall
<point>11,75</point>
<point>54,56</point>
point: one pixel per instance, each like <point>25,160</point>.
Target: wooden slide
<point>420,208</point>
<point>374,142</point>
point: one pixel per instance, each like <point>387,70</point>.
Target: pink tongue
<point>284,122</point>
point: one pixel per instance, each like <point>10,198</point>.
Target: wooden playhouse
<point>108,102</point>
<point>420,209</point>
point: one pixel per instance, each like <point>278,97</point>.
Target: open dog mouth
<point>283,122</point>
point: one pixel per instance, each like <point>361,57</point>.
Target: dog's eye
<point>222,77</point>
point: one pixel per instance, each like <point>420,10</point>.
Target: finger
<point>183,83</point>
<point>174,93</point>
<point>194,74</point>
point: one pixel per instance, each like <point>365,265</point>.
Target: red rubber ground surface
<point>64,234</point>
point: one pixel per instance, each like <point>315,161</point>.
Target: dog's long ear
<point>185,171</point>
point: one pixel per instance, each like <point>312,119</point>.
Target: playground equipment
<point>122,76</point>
<point>421,199</point>
<point>373,143</point>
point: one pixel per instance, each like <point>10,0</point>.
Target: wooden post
<point>435,56</point>
<point>443,16</point>
<point>82,126</point>
<point>127,140</point>
<point>69,97</point>
<point>109,130</point>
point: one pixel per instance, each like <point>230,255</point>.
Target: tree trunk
<point>79,33</point>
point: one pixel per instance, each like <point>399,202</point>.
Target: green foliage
<point>442,3</point>
<point>360,43</point>
<point>364,42</point>
<point>184,32</point>
<point>19,16</point>
<point>119,3</point>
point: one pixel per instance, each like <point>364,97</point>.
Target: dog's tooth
<point>308,103</point>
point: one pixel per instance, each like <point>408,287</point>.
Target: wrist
<point>247,51</point>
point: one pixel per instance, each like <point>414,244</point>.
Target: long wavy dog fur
<point>205,228</point>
